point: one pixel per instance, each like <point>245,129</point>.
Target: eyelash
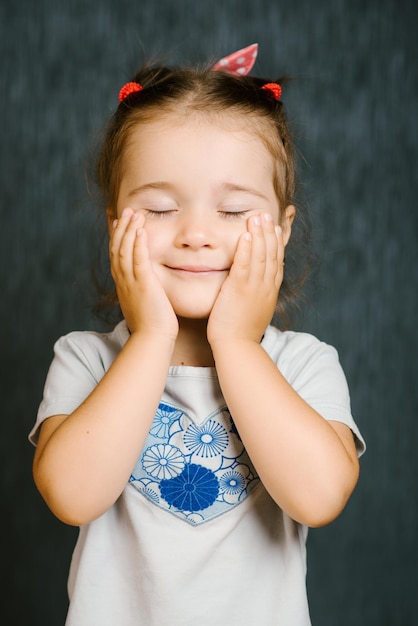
<point>232,214</point>
<point>228,215</point>
<point>159,214</point>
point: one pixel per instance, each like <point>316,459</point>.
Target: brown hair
<point>182,92</point>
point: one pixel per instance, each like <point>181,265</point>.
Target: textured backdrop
<point>354,106</point>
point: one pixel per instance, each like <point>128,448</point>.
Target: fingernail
<point>125,212</point>
<point>114,223</point>
<point>278,230</point>
<point>268,217</point>
<point>257,220</point>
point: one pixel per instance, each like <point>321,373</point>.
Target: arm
<point>83,461</point>
<point>308,465</point>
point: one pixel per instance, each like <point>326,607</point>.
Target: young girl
<point>195,443</point>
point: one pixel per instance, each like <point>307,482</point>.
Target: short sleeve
<point>80,361</point>
<point>313,369</point>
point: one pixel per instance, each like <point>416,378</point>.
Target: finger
<point>118,231</point>
<point>272,248</point>
<point>126,235</point>
<point>127,242</point>
<point>140,258</point>
<point>280,256</point>
<point>258,249</point>
<point>240,268</point>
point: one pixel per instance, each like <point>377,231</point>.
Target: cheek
<point>157,241</point>
<point>235,233</point>
<point>235,237</point>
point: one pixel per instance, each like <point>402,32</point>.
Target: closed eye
<point>159,213</point>
<point>233,214</point>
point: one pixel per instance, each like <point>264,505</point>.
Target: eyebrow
<point>156,185</point>
<point>250,190</point>
<point>227,186</point>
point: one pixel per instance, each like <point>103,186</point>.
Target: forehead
<point>227,139</point>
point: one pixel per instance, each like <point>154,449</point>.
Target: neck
<point>192,347</point>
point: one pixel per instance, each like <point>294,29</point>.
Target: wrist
<point>153,338</point>
<point>231,344</point>
<point>147,330</point>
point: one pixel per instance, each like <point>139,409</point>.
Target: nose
<point>194,230</point>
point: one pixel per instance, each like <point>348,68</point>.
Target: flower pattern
<point>196,471</point>
<point>164,418</point>
<point>162,461</point>
<point>209,440</point>
<point>196,488</point>
<point>233,483</point>
<point>214,443</point>
<point>148,488</point>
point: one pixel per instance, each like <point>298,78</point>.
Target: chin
<point>197,304</point>
<point>195,312</point>
<point>192,315</point>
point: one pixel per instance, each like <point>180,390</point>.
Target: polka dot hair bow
<point>239,63</point>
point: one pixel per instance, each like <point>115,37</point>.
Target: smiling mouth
<point>196,269</point>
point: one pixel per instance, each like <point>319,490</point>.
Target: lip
<point>199,270</point>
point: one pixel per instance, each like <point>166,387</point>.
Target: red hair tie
<point>127,89</point>
<point>275,89</point>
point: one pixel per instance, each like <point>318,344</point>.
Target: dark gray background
<point>354,105</point>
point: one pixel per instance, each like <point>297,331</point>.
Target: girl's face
<point>197,184</point>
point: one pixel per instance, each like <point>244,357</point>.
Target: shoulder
<point>86,354</point>
<point>304,360</point>
<point>80,360</point>
<point>292,346</point>
<point>85,344</point>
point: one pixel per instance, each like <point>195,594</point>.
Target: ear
<point>286,222</point>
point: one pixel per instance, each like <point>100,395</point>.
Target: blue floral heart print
<point>194,471</point>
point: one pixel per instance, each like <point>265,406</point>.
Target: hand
<point>247,299</point>
<point>142,299</point>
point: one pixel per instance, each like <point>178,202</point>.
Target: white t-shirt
<point>194,539</point>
